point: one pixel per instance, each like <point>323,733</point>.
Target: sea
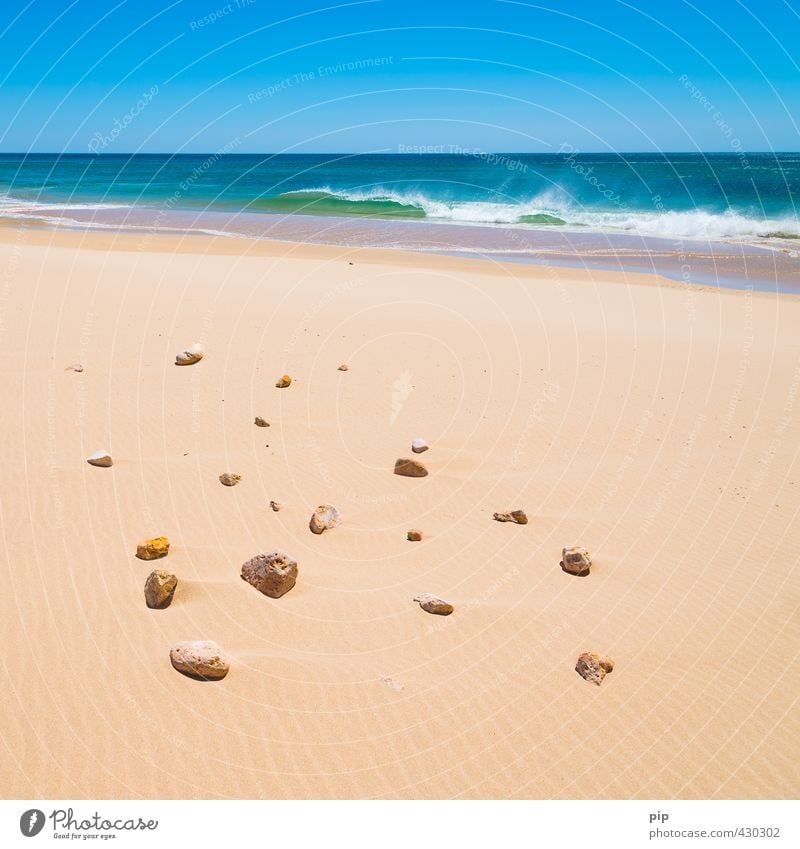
<point>724,219</point>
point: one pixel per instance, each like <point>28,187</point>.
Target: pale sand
<point>656,426</point>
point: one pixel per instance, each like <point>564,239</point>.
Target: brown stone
<point>275,505</point>
<point>410,468</point>
<point>153,549</point>
<point>593,667</point>
<point>576,560</point>
<point>100,458</point>
<point>518,517</point>
<point>414,535</point>
<point>200,659</point>
<point>261,422</point>
<point>229,479</point>
<point>273,574</point>
<point>284,381</point>
<point>159,588</point>
<point>431,604</point>
<point>343,367</point>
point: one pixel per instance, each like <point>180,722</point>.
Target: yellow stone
<point>152,549</point>
<point>284,382</point>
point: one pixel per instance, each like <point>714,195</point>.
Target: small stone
<point>419,445</point>
<point>190,356</point>
<point>431,604</point>
<point>159,588</point>
<point>414,535</point>
<point>229,479</point>
<point>344,367</point>
<point>275,505</point>
<point>390,682</point>
<point>410,468</point>
<point>261,422</point>
<point>517,516</point>
<point>273,574</point>
<point>75,367</point>
<point>324,518</point>
<point>575,560</point>
<point>284,382</point>
<point>593,667</point>
<point>152,549</point>
<point>200,659</point>
<point>100,458</point>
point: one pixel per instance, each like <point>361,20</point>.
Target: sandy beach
<point>653,423</point>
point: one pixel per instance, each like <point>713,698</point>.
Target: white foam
<point>697,224</point>
<point>694,224</point>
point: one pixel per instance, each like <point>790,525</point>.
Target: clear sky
<point>393,75</point>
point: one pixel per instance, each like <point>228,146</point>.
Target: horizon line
<point>462,152</point>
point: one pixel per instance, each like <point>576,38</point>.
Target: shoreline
<point>696,219</point>
<point>45,235</point>
<point>699,262</point>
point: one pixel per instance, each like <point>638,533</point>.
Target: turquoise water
<point>715,219</point>
<point>706,196</point>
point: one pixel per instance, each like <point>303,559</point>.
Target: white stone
<point>201,659</point>
<point>325,517</point>
<point>189,356</point>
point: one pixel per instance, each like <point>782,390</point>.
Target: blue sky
<point>391,76</point>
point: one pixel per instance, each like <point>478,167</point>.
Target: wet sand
<point>767,265</point>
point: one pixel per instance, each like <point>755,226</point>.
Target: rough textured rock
<point>152,549</point>
<point>273,574</point>
<point>100,458</point>
<point>414,535</point>
<point>410,468</point>
<point>517,516</point>
<point>431,604</point>
<point>325,517</point>
<point>593,667</point>
<point>190,356</point>
<point>261,422</point>
<point>419,445</point>
<point>576,560</point>
<point>200,659</point>
<point>159,589</point>
<point>275,505</point>
<point>229,479</point>
<point>284,381</point>
<point>343,367</point>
